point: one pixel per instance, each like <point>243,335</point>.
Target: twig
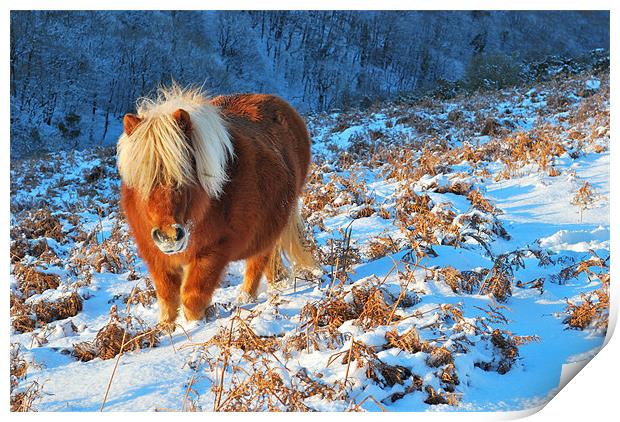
<point>403,291</point>
<point>224,366</point>
<point>346,375</point>
<point>120,353</point>
<point>363,401</point>
<point>189,386</point>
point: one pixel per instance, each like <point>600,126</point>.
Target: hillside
<point>465,253</point>
<point>74,74</point>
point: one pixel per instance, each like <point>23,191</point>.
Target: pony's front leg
<point>167,287</point>
<point>202,276</point>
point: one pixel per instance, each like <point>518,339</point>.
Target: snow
<point>538,198</point>
<point>577,240</point>
<point>537,213</point>
<point>593,84</point>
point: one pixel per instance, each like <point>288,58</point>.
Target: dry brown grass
<point>419,123</point>
<point>481,227</point>
<point>481,203</point>
<point>536,283</point>
<point>341,255</point>
<point>439,356</point>
<point>37,248</point>
<point>365,357</point>
<point>119,335</point>
<point>508,353</point>
<point>593,311</point>
<point>467,282</point>
<point>21,399</point>
<point>31,282</point>
<point>66,306</point>
<point>585,266</point>
<point>539,146</point>
<point>497,281</point>
<point>423,223</point>
<point>449,378</point>
<point>365,211</point>
<point>409,341</point>
<point>318,195</point>
<point>110,255</point>
<point>38,223</point>
<point>242,337</point>
<point>257,380</point>
<point>18,365</point>
<point>25,317</point>
<point>558,102</point>
<point>405,164</point>
<point>265,388</point>
<point>585,198</point>
<point>456,187</point>
<point>508,350</point>
<point>315,339</point>
<point>22,319</point>
<point>441,397</point>
<point>381,246</point>
<point>490,127</point>
<point>332,311</point>
<point>369,305</point>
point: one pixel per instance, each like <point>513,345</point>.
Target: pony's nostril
<point>157,235</point>
<point>180,234</point>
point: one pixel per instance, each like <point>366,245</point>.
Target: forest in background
<point>74,74</point>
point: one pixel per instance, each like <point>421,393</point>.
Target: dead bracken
<point>113,339</point>
<point>31,282</point>
<point>25,316</point>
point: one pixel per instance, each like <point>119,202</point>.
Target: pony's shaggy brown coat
<point>252,216</point>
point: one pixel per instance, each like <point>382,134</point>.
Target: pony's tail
<point>291,243</point>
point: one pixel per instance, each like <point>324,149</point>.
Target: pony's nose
<point>158,236</point>
<point>165,237</point>
<point>180,233</point>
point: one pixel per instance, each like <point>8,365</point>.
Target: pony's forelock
<point>157,152</point>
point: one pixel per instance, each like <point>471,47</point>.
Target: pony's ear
<point>183,120</point>
<point>130,122</point>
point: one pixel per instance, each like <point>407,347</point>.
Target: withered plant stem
<point>371,397</point>
<point>225,365</point>
<point>403,291</point>
<point>346,375</point>
<point>118,357</point>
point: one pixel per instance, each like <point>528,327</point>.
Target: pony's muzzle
<point>174,242</point>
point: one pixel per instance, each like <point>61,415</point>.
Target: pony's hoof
<point>244,298</point>
<point>191,315</point>
<point>280,284</point>
<point>167,327</point>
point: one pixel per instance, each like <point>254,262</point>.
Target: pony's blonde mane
<point>158,153</point>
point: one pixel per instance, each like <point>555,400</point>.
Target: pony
<point>210,180</point>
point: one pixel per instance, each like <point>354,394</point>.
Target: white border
<point>593,392</point>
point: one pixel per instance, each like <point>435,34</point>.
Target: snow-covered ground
<point>502,350</point>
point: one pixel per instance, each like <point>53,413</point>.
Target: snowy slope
<point>394,322</point>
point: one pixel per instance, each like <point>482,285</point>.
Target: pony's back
<point>270,115</point>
